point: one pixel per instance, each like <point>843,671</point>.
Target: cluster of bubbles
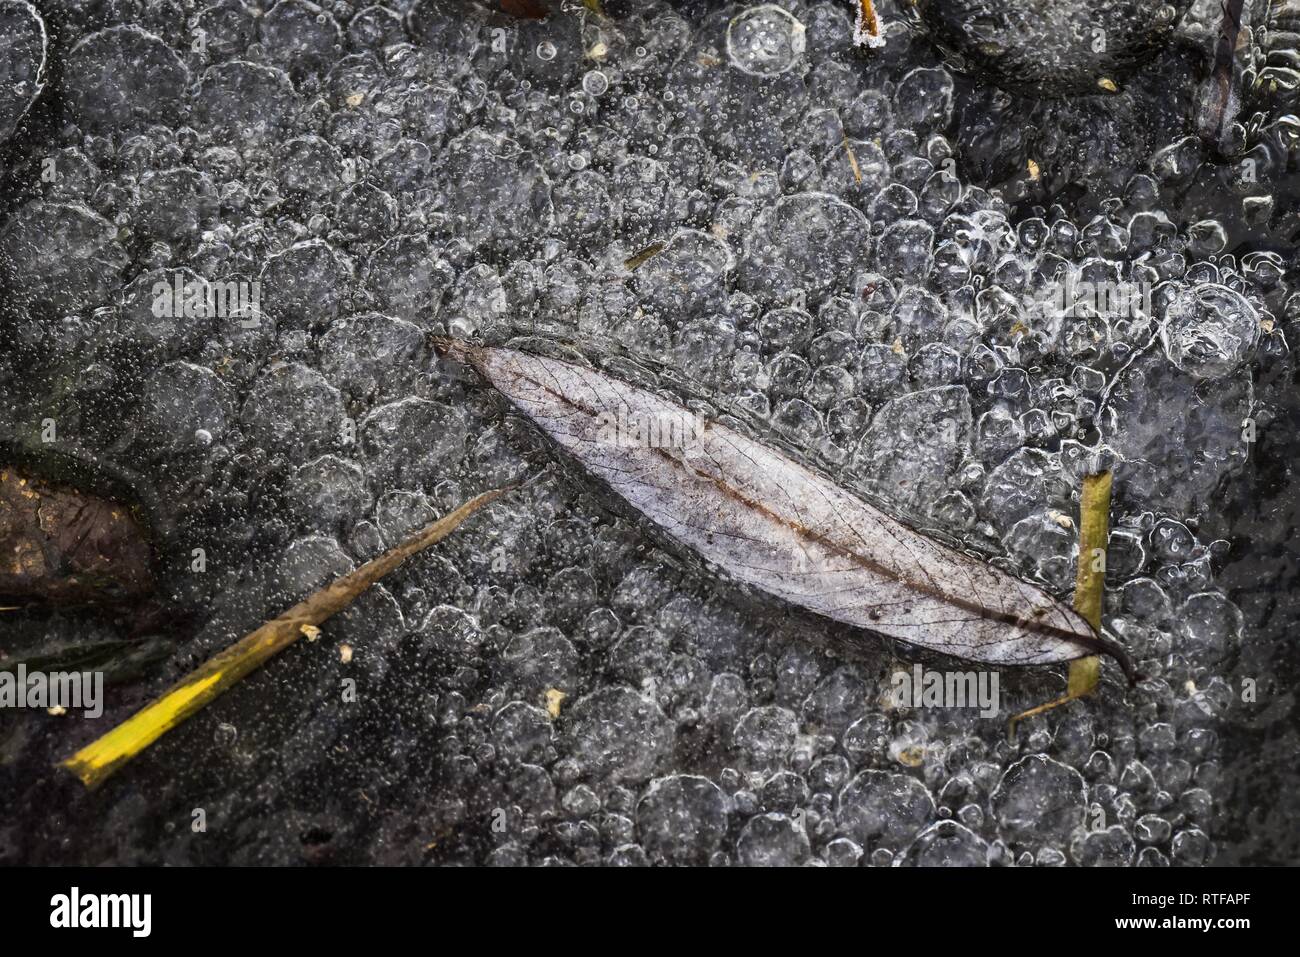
<point>742,201</point>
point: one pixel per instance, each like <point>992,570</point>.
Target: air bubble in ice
<point>947,844</point>
<point>878,808</point>
<point>682,819</point>
<point>765,41</point>
<point>1209,330</point>
<point>772,840</point>
<point>1038,799</point>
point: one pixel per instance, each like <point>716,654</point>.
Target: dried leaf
<point>60,545</point>
<point>1220,96</point>
<point>774,524</point>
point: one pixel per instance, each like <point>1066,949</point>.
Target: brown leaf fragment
<point>64,546</point>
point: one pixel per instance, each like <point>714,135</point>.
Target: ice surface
<point>849,252</point>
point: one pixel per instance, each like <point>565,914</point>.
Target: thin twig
<point>98,760</point>
<point>639,259</point>
<point>853,161</point>
<point>866,31</point>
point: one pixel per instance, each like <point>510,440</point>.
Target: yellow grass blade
<point>1090,579</point>
<point>97,761</point>
<point>1089,582</point>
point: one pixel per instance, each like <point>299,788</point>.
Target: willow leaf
<point>775,524</point>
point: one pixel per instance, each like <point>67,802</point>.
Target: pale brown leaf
<point>775,524</point>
